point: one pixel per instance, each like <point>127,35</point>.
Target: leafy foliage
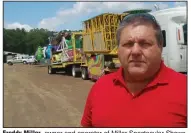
<point>21,41</point>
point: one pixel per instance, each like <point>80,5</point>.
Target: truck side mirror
<point>180,35</point>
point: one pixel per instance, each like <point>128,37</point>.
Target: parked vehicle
<point>173,22</point>
<point>14,60</point>
<point>30,60</point>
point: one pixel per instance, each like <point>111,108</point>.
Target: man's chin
<point>136,72</point>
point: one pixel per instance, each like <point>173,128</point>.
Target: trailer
<point>67,56</point>
<point>100,45</point>
<point>97,53</point>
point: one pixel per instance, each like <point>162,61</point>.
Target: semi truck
<point>93,52</point>
<point>173,22</point>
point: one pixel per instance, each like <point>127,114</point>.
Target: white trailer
<point>173,22</point>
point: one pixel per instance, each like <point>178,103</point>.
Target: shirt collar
<point>160,78</point>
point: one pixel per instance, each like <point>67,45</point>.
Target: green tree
<point>21,41</point>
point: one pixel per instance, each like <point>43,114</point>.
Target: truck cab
<point>173,22</point>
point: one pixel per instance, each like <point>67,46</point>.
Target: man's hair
<point>141,19</point>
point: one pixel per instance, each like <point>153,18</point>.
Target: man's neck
<point>135,86</point>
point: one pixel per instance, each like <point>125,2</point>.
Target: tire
<point>74,73</point>
<point>35,62</point>
<point>24,62</point>
<point>84,73</point>
<point>51,70</point>
<point>10,63</point>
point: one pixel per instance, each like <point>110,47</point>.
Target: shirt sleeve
<point>86,120</point>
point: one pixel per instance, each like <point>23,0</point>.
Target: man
<point>143,92</point>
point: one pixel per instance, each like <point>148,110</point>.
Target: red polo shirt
<point>163,103</point>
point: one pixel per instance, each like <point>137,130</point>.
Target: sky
<point>57,16</point>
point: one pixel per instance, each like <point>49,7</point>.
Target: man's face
<point>138,51</point>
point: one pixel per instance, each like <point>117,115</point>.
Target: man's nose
<point>136,49</point>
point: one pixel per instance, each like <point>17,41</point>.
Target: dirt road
<point>32,98</point>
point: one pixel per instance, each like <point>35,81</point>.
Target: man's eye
<point>145,44</point>
<point>129,44</point>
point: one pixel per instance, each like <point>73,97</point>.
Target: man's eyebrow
<point>145,40</point>
<point>139,40</point>
<point>130,39</point>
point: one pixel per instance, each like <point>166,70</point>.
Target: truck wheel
<point>84,73</point>
<point>74,74</point>
<point>24,62</point>
<point>75,71</point>
<point>10,63</point>
<point>51,70</point>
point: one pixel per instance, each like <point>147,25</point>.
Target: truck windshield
<point>185,33</point>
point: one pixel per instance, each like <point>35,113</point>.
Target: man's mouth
<point>135,61</point>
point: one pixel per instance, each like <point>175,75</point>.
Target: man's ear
<point>161,47</point>
<point>118,50</point>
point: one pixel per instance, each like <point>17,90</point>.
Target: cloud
<point>176,4</point>
<point>18,25</point>
<point>80,9</point>
<point>66,15</point>
<point>162,5</point>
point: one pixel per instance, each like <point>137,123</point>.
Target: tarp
<point>48,51</point>
<point>39,53</point>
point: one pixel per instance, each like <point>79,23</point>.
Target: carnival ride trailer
<point>67,56</point>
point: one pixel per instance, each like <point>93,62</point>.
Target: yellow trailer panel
<point>100,33</point>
